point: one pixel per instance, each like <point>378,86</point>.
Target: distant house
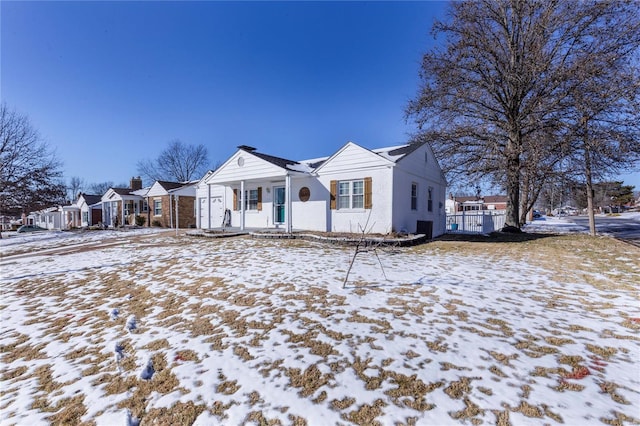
<point>90,209</point>
<point>393,189</point>
<point>171,204</point>
<point>476,203</point>
<point>120,206</point>
<point>49,218</point>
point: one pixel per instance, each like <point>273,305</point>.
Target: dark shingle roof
<point>91,199</point>
<point>170,185</point>
<point>280,162</point>
<point>122,191</point>
<point>405,150</point>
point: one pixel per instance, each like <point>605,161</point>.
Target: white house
<point>394,189</point>
<point>90,209</point>
<point>49,218</point>
<point>121,205</point>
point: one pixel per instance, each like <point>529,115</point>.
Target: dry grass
<point>222,324</point>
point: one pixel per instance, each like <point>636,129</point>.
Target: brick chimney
<point>136,183</point>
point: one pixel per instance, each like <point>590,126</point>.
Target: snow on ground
<point>565,224</point>
<point>12,241</point>
<point>237,331</point>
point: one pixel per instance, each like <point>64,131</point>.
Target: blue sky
<point>111,83</point>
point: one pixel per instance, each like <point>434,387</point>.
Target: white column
<point>198,212</point>
<point>208,206</point>
<point>176,199</point>
<point>288,202</point>
<point>242,205</point>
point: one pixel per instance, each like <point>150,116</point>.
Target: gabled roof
<point>348,145</point>
<point>91,199</point>
<point>392,154</point>
<point>170,185</point>
<point>122,191</point>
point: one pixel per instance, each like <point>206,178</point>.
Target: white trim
<point>287,202</point>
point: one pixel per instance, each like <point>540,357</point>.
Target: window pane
<point>358,187</point>
<point>253,199</point>
<point>343,188</point>
<point>358,201</point>
<point>343,201</point>
<point>414,196</point>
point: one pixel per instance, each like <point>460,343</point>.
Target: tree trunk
<point>525,197</point>
<point>512,219</point>
<point>589,185</point>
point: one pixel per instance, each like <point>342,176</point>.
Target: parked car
<point>29,228</point>
<point>537,214</point>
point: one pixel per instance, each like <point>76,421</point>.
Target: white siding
<point>156,190</point>
<point>311,215</point>
<point>426,174</point>
<point>253,218</point>
<point>352,158</point>
<point>252,168</point>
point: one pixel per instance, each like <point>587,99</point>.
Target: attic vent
<point>246,148</point>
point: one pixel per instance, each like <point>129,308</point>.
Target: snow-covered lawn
<point>179,330</point>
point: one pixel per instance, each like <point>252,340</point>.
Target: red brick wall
<point>185,211</point>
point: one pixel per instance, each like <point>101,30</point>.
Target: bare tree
<point>101,188</point>
<point>179,162</point>
<point>30,174</point>
<point>499,87</point>
<point>76,185</point>
<point>603,120</point>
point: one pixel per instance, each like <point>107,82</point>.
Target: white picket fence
<point>477,221</point>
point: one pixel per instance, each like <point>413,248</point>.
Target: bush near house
<point>140,220</point>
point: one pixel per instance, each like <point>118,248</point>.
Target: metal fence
<point>477,221</point>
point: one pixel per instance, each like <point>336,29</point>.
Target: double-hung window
<point>414,196</point>
<point>157,207</point>
<point>430,200</point>
<point>351,194</point>
<point>250,200</point>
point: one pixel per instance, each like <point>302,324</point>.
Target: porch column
<point>288,202</point>
<point>122,204</point>
<point>208,206</point>
<point>242,205</point>
<point>176,199</point>
<point>198,214</point>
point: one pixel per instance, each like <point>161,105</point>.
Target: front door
<point>278,204</point>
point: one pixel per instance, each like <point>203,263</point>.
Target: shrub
<point>156,223</point>
<point>140,220</point>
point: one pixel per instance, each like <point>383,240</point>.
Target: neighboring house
<point>5,223</point>
<point>171,203</point>
<point>90,209</point>
<point>394,189</point>
<point>49,218</point>
<point>120,206</point>
<point>475,203</point>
